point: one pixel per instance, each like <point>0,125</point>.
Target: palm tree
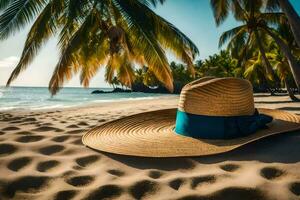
<point>92,33</point>
<point>255,25</point>
<point>256,73</point>
<point>283,72</point>
<point>291,14</point>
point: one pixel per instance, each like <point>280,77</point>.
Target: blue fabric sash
<point>218,127</point>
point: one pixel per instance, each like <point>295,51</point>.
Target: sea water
<point>38,98</point>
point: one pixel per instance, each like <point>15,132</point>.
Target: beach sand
<point>42,157</point>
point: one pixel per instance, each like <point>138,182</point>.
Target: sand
<point>42,157</point>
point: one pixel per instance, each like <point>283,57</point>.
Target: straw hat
<point>214,115</point>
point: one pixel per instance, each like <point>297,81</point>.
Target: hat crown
<point>217,97</point>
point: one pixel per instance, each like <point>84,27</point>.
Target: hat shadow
<point>280,148</point>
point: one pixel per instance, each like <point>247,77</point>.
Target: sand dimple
<point>271,173</point>
<point>24,133</point>
<point>76,131</point>
<point>47,165</point>
<point>87,160</point>
<point>78,181</point>
<point>49,150</point>
<point>201,180</point>
<point>18,163</point>
<point>30,138</point>
<point>230,167</point>
<point>155,174</point>
<point>115,172</point>
<point>295,188</point>
<point>105,192</point>
<point>65,195</point>
<point>72,126</point>
<point>77,141</point>
<point>61,138</point>
<point>47,128</point>
<point>2,133</point>
<point>143,188</point>
<point>11,128</point>
<point>83,124</point>
<point>6,149</point>
<point>29,184</point>
<point>176,183</point>
<point>230,193</point>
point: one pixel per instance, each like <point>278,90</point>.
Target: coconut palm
<point>290,12</point>
<point>282,69</point>
<point>92,33</point>
<point>254,24</point>
<point>248,34</point>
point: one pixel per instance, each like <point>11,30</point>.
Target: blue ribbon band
<point>219,127</point>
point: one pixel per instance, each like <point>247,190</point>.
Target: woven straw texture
<point>151,134</point>
<point>217,97</point>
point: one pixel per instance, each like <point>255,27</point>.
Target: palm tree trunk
<point>243,54</point>
<point>293,18</point>
<point>289,91</point>
<point>263,54</point>
<point>295,67</point>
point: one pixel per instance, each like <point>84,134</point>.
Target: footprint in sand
<point>11,128</point>
<point>19,163</point>
<point>143,188</point>
<point>295,188</point>
<point>271,173</point>
<point>116,172</point>
<point>30,138</point>
<point>79,181</point>
<point>201,180</point>
<point>6,149</point>
<point>51,149</point>
<point>176,183</point>
<point>230,167</point>
<point>65,195</point>
<point>105,192</point>
<point>27,184</point>
<point>2,133</point>
<point>47,165</point>
<point>87,160</point>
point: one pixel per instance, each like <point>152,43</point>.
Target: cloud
<point>9,61</point>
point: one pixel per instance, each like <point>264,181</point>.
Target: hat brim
<point>150,134</point>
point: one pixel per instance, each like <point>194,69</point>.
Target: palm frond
<point>43,28</point>
<point>17,14</point>
<point>68,62</point>
<point>146,44</point>
<point>220,10</point>
<point>228,35</point>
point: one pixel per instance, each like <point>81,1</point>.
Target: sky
<point>193,17</point>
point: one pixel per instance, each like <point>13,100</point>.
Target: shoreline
<point>261,100</point>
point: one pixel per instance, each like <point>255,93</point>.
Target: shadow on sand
<point>281,148</point>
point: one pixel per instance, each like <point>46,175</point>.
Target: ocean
<point>39,98</point>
